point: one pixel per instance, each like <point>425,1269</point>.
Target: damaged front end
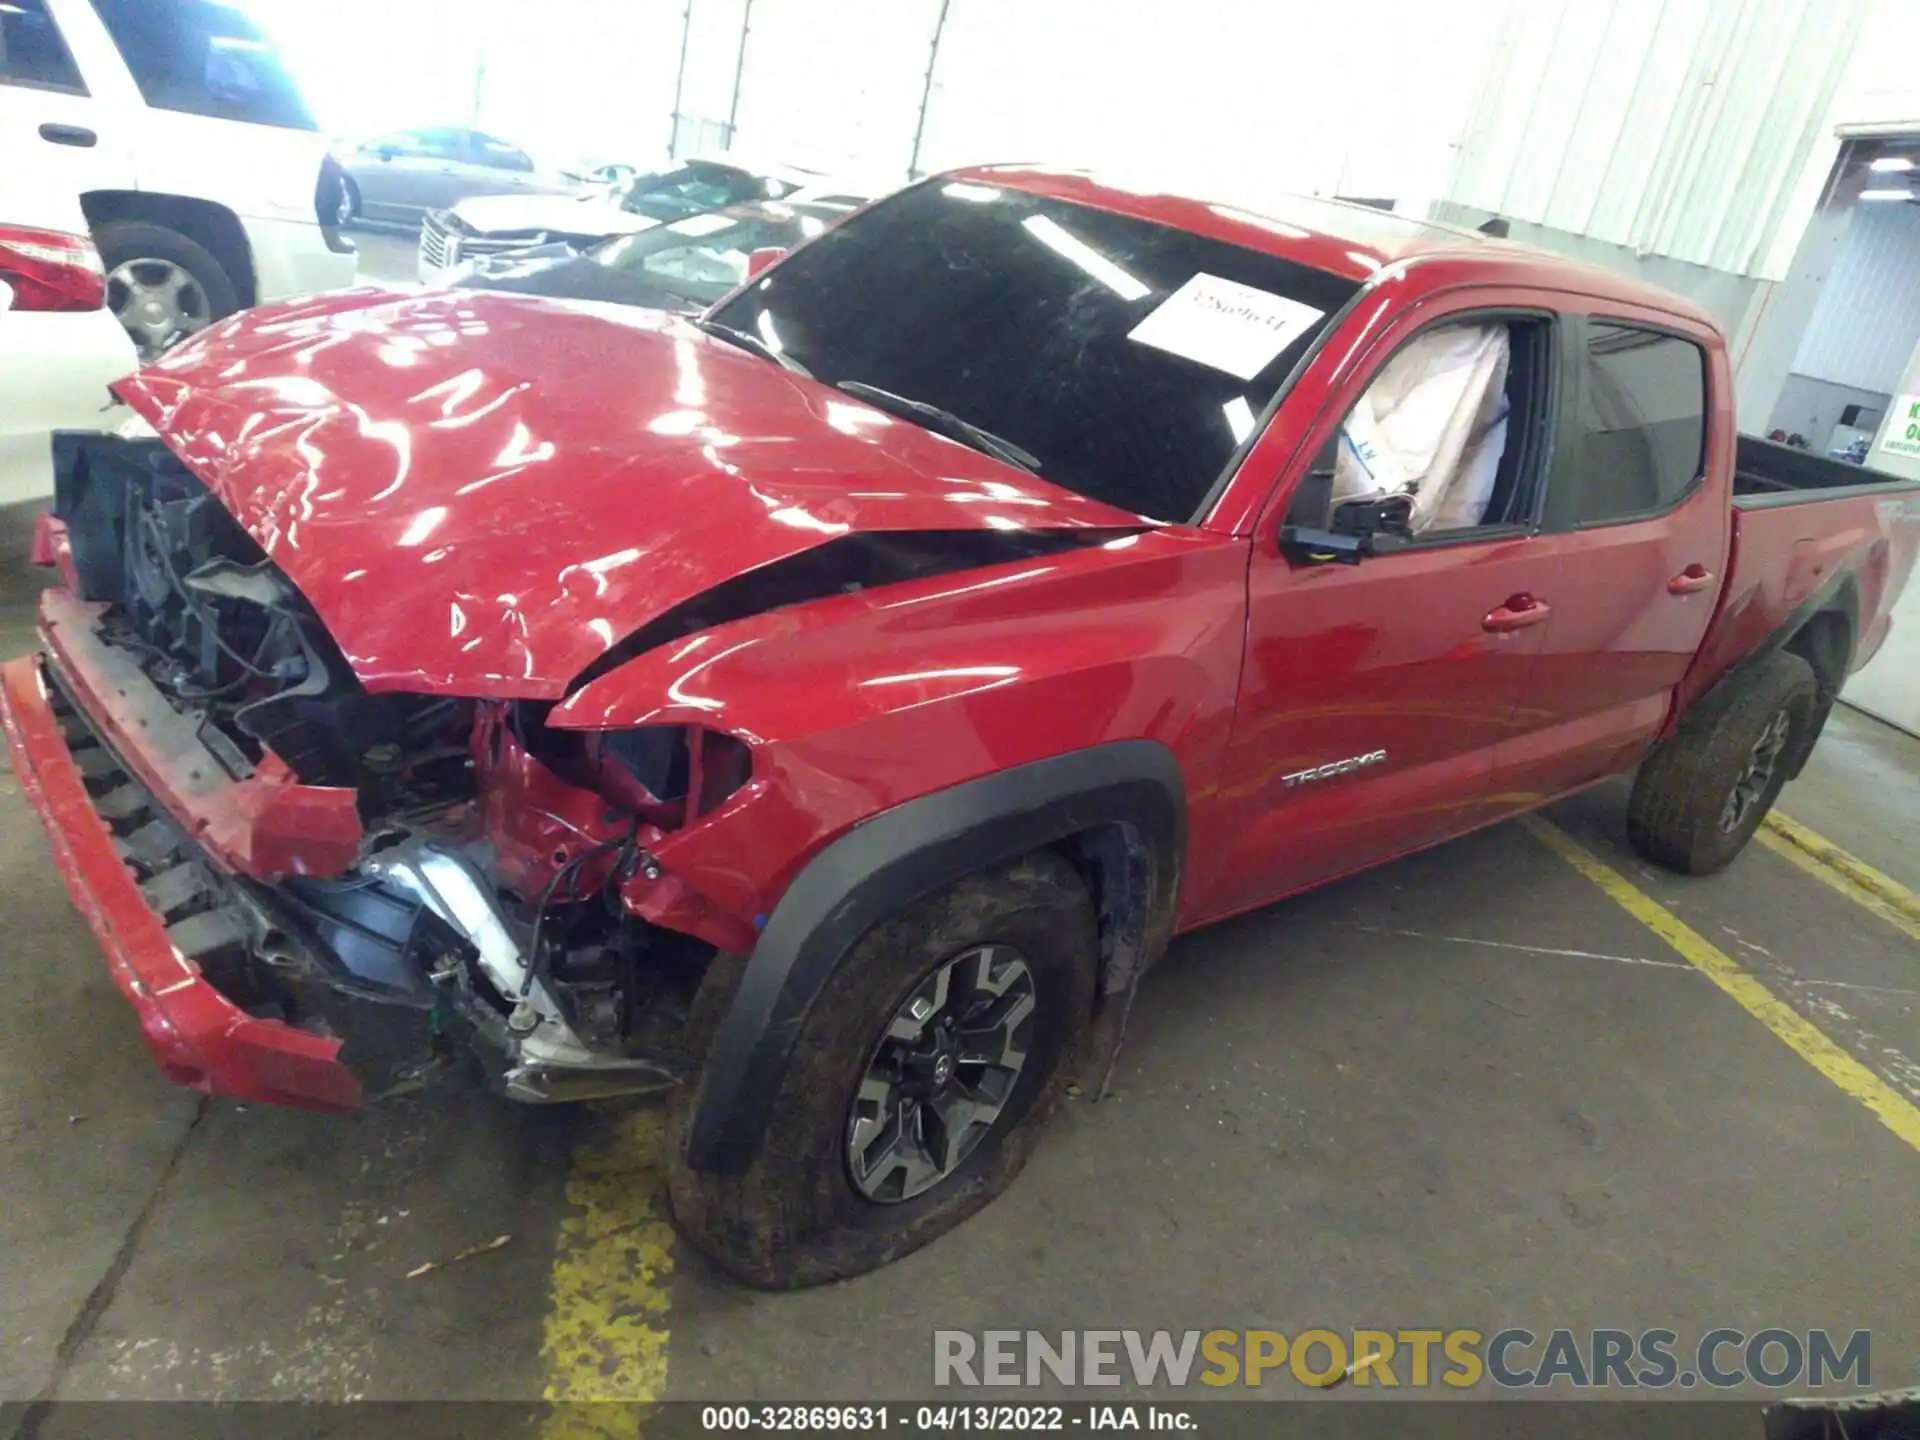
<point>340,893</point>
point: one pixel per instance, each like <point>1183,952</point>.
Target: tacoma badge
<point>1334,767</point>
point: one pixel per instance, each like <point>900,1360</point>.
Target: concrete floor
<point>1397,1101</point>
<point>388,254</point>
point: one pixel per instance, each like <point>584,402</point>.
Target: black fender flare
<point>913,850</point>
<point>1840,597</point>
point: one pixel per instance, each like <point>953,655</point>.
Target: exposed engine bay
<point>491,891</point>
<point>227,639</point>
<point>447,869</point>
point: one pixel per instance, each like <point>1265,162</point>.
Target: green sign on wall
<point>1902,436</point>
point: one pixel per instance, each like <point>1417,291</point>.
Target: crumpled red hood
<point>480,493</point>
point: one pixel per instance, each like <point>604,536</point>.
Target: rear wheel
<point>917,1083</point>
<point>161,286</point>
<point>1701,795</point>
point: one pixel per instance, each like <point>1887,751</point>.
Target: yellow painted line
<point>1835,880</point>
<point>1807,1040</point>
<point>604,1354</point>
<point>1848,874</point>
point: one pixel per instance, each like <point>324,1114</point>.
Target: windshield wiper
<point>747,340</point>
<point>943,422</point>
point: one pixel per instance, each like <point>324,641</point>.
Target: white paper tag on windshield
<point>705,224</point>
<point>1225,324</point>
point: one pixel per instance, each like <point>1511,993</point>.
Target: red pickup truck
<point>826,708</point>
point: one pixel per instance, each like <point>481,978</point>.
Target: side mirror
<point>760,259</point>
<point>1347,533</point>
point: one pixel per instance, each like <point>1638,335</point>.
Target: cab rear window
<point>204,58</point>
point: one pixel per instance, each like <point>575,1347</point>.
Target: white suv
<point>203,177</point>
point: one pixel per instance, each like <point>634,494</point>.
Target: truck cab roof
<point>1355,241</point>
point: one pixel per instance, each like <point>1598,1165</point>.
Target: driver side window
<point>1443,438</point>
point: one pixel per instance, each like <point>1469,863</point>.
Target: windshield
<point>702,257</point>
<point>692,187</point>
<point>1131,359</point>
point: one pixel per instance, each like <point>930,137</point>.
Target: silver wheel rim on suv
<point>942,1072</point>
<point>157,302</point>
<point>1749,789</point>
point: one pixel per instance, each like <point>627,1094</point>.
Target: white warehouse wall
<point>1678,128</point>
<point>1867,319</point>
<point>1362,98</point>
<point>1879,94</point>
<point>1245,94</point>
<point>836,83</point>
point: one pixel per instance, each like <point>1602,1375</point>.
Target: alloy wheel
<point>941,1074</point>
<point>157,302</point>
<point>1762,760</point>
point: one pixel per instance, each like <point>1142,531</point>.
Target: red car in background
<point>827,708</point>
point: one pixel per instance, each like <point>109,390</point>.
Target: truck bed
<point>1766,474</point>
<point>1804,528</point>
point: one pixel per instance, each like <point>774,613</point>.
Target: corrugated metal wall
<point>1867,320</point>
<point>1673,127</point>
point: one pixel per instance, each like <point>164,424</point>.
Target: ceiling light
<point>1886,195</point>
<point>1892,162</point>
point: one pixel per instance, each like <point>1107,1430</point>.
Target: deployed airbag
<point>1433,426</point>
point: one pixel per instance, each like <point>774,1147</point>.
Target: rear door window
<point>499,155</point>
<point>421,145</point>
<point>1642,425</point>
<point>440,144</point>
<point>32,51</point>
<point>204,58</point>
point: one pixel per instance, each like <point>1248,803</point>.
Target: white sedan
<point>60,346</point>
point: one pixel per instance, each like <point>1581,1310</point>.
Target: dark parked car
<point>686,265</point>
<point>402,175</point>
<point>492,225</point>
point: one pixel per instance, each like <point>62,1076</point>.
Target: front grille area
<point>444,242</point>
<point>439,246</point>
<point>471,245</point>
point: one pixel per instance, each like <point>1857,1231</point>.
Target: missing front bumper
<point>315,993</point>
<point>198,1035</point>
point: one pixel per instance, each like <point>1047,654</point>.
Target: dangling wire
<point>536,957</point>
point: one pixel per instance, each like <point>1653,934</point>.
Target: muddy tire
<point>800,1214</point>
<point>1700,796</point>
